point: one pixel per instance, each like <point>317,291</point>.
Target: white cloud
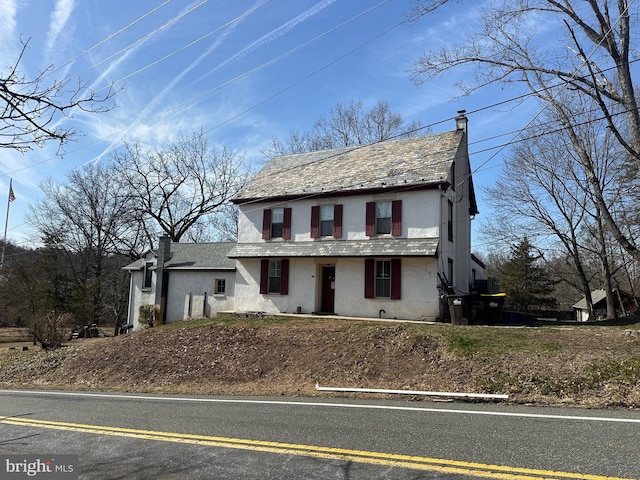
<point>59,19</point>
<point>8,10</point>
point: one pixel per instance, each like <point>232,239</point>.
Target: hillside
<point>582,366</point>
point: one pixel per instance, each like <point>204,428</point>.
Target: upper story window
<point>453,176</point>
<point>276,223</point>
<point>383,218</point>
<point>326,221</point>
<point>450,220</point>
<point>146,283</point>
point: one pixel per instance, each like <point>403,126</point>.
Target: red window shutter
<point>286,224</point>
<point>369,277</point>
<point>396,218</point>
<point>266,224</point>
<point>371,219</point>
<point>337,221</point>
<point>396,278</point>
<point>315,221</point>
<point>264,276</point>
<point>284,277</point>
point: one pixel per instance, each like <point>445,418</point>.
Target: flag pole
<point>6,222</point>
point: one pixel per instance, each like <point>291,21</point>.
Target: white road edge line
<point>321,404</point>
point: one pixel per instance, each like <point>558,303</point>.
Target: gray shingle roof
<point>351,248</point>
<point>596,297</point>
<point>137,265</point>
<point>195,256</point>
<point>212,256</point>
<point>414,161</point>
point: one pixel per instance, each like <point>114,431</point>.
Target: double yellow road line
<point>477,470</point>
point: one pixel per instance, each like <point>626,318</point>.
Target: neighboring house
<point>363,231</point>
<point>626,304</point>
<point>186,280</point>
<point>478,272</point>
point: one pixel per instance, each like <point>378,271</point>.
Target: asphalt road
<point>171,437</point>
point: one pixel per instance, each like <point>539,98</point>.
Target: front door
<point>328,288</point>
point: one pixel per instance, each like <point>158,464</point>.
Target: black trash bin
<point>459,309</point>
<point>494,308</point>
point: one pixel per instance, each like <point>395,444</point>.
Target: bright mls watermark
<point>50,467</point>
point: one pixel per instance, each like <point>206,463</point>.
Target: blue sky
<point>242,71</point>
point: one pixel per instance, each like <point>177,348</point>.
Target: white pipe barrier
<point>413,392</point>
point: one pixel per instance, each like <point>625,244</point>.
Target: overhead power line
<point>270,62</point>
<point>110,37</point>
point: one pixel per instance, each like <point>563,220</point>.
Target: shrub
<point>51,330</point>
<point>146,315</point>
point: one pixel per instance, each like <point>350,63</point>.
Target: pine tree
<point>527,284</point>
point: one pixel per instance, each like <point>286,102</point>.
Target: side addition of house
<point>184,280</point>
<point>378,230</point>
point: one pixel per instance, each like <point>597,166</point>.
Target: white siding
<point>419,298</point>
<point>459,250</point>
<point>139,297</point>
<point>184,284</point>
<point>302,287</point>
<point>420,216</point>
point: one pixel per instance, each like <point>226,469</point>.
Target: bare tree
<point>545,190</point>
<point>31,109</point>
<point>176,187</point>
<point>537,195</point>
<point>596,65</point>
<point>346,125</point>
<point>88,222</point>
<point>221,226</point>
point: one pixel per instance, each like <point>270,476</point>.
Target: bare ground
<point>579,366</point>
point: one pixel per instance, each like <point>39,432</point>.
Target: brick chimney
<point>461,121</point>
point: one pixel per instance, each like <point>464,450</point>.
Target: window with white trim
<point>275,275</point>
<point>326,220</point>
<point>383,279</point>
<point>277,222</point>
<point>383,218</point>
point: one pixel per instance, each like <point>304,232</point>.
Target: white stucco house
<point>365,231</point>
<point>187,280</point>
<point>379,230</point>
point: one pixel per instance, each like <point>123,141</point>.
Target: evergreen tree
<point>527,284</point>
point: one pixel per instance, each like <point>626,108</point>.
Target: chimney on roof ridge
<point>164,253</point>
<point>461,121</point>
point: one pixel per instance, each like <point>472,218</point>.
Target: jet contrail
<point>59,18</point>
<point>273,34</point>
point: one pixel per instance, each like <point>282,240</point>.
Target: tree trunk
<point>606,268</point>
<point>598,194</point>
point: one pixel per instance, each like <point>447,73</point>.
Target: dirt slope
<point>574,366</point>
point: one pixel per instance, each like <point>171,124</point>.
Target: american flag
<point>12,197</point>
